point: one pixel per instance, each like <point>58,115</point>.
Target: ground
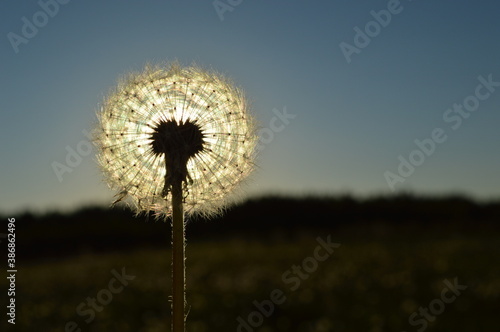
<point>377,278</point>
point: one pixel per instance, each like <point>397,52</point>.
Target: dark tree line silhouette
<point>102,229</point>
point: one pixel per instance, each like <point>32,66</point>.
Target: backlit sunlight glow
<point>171,93</point>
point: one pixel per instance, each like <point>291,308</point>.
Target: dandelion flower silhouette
<point>170,123</point>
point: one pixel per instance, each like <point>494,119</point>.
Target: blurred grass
<point>373,282</point>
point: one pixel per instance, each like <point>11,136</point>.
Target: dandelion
<point>164,117</point>
<point>175,140</point>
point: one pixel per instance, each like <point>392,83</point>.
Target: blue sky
<point>352,119</point>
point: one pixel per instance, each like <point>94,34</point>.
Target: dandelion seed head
<point>171,116</point>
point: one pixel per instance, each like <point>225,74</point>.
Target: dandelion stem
<point>178,262</point>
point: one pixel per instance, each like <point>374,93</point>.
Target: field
<point>379,277</point>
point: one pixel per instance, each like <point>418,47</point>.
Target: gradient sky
<point>352,120</point>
